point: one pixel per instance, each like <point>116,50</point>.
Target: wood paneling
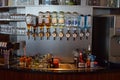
<point>22,75</point>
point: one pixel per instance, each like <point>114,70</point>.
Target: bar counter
<point>18,73</point>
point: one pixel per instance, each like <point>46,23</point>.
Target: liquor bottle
<point>88,25</point>
<point>41,24</point>
<point>61,23</point>
<point>81,63</point>
<point>76,57</point>
<point>34,23</point>
<point>77,2</point>
<point>47,23</point>
<point>61,19</point>
<point>46,2</point>
<point>29,24</point>
<point>68,34</point>
<point>81,25</point>
<point>54,24</point>
<point>69,2</point>
<point>74,34</point>
<point>68,19</point>
<point>47,19</point>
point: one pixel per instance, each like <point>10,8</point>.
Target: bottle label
<point>75,22</point>
<point>81,65</point>
<point>54,20</point>
<point>61,21</point>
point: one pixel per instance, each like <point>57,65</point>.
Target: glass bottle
<point>61,23</point>
<point>41,24</point>
<point>68,23</point>
<point>61,19</point>
<point>61,2</point>
<point>54,20</point>
<point>29,24</point>
<point>88,25</point>
<point>46,2</point>
<point>77,2</point>
<point>69,2</point>
<point>34,23</point>
<point>68,20</point>
<point>54,23</point>
<point>47,23</point>
<point>81,25</point>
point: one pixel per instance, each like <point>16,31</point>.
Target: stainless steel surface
<point>60,48</point>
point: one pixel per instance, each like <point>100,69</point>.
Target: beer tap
<point>74,34</point>
<point>47,34</point>
<point>61,34</point>
<point>68,34</point>
<point>41,24</point>
<point>81,34</point>
<point>54,34</point>
<point>87,33</point>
